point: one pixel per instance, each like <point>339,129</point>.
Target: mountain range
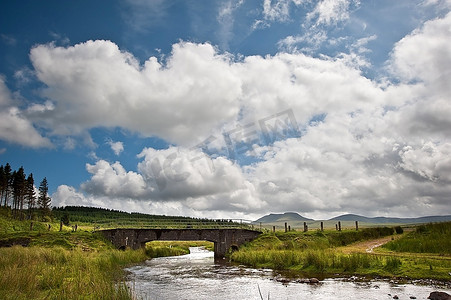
<point>295,217</point>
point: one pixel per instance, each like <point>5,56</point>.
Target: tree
<point>5,184</point>
<point>65,219</point>
<point>30,194</point>
<point>43,198</point>
<point>19,190</point>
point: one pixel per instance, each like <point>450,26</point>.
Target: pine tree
<point>5,183</point>
<point>19,190</point>
<point>43,198</point>
<point>30,195</point>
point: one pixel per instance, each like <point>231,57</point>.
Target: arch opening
<point>158,248</point>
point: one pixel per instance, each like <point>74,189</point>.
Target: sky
<point>231,108</point>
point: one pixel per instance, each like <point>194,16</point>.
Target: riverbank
<point>40,262</point>
<point>57,273</point>
<point>332,254</point>
<point>198,276</point>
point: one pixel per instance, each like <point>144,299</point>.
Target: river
<point>197,276</point>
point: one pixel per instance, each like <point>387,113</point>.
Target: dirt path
<point>368,246</point>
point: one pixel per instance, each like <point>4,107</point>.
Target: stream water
<point>197,276</point>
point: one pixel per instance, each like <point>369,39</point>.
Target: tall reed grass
<point>313,260</point>
<point>57,273</point>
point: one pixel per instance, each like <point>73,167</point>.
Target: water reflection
<point>197,276</point>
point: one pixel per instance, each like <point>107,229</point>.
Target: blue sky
<point>231,108</point>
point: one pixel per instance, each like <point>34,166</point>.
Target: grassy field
<point>321,253</point>
<point>54,272</point>
<point>429,238</point>
<point>80,264</point>
<point>68,264</point>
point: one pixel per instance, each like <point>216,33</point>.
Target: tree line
<point>18,192</point>
<point>100,215</point>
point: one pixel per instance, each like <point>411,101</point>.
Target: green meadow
<point>42,262</point>
<point>323,253</point>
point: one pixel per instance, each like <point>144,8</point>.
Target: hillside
<point>286,217</point>
<point>108,218</point>
<point>103,215</point>
<point>388,220</point>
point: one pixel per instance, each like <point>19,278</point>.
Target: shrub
<point>348,237</point>
<point>46,219</point>
<point>399,230</point>
<point>65,219</point>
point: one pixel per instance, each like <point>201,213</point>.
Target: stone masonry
<point>223,239</point>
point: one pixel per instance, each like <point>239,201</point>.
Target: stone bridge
<point>223,239</point>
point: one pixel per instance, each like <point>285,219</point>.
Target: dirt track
<point>368,246</point>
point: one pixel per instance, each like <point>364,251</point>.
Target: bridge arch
<point>223,239</point>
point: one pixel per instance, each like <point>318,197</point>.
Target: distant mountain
<point>296,220</point>
<point>286,217</point>
<point>386,220</point>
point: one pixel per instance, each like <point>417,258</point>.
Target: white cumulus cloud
<point>15,127</point>
<point>365,148</point>
<point>117,147</point>
<point>96,84</point>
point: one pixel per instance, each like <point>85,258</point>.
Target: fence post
<point>322,226</point>
<point>356,225</point>
<point>286,227</point>
<point>274,229</point>
<point>339,226</point>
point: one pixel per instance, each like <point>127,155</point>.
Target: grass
<point>82,265</point>
<point>74,265</point>
<point>331,261</point>
<point>83,240</point>
<point>348,237</point>
<point>60,265</point>
<point>320,252</point>
<point>58,273</point>
<point>67,264</point>
<point>429,238</point>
